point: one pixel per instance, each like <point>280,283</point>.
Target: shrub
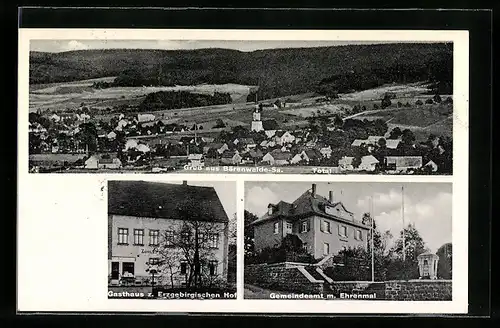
<point>429,101</point>
<point>437,99</point>
<point>419,102</point>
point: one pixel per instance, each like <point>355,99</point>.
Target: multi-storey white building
<point>151,222</point>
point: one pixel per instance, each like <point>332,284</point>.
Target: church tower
<point>257,123</point>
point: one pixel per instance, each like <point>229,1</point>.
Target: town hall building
<point>323,225</point>
<point>151,223</point>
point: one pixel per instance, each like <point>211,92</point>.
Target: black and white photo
<point>228,106</point>
<point>366,241</point>
<point>171,240</point>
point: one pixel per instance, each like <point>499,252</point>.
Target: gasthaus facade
<point>150,222</point>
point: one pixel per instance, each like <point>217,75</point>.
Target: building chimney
<point>184,183</point>
<point>330,196</point>
<point>313,191</point>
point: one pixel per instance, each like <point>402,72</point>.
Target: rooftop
<point>164,200</point>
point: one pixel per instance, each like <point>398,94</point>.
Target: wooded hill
<point>278,72</point>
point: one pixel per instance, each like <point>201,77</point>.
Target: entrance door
<point>115,270</point>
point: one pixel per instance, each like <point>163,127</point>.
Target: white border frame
<point>62,238</point>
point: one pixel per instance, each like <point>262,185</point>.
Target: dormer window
<point>270,210</point>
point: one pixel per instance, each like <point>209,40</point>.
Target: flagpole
<point>403,217</point>
<point>373,235</point>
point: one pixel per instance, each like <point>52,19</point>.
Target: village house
<point>392,143</point>
<point>145,118</point>
<point>368,163</point>
<point>277,157</point>
<point>324,226</point>
<point>256,155</point>
<point>249,143</point>
<point>103,161</point>
<point>284,137</point>
<point>403,163</point>
<point>431,165</point>
<point>326,152</point>
<point>219,147</point>
<point>196,160</point>
<point>111,135</point>
<point>231,158</point>
<point>306,156</point>
<point>142,216</point>
<point>374,140</point>
<point>345,163</point>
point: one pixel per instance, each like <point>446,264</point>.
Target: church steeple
<point>257,123</point>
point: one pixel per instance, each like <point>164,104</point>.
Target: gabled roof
<point>277,154</point>
<point>369,159</point>
<point>256,153</point>
<point>358,142</point>
<point>229,154</point>
<point>392,143</point>
<point>346,160</point>
<point>313,153</point>
<point>166,201</point>
<point>305,206</point>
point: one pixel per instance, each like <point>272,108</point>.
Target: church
<point>259,125</point>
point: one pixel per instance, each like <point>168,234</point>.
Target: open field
<point>400,90</point>
<point>71,94</point>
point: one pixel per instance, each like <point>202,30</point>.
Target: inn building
<point>323,225</point>
<point>150,221</point>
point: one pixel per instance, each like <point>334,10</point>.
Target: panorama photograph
<point>201,106</point>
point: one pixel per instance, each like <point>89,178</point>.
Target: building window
<point>183,267</point>
<point>213,240</point>
<point>359,235</point>
<point>289,227</point>
<point>154,261</point>
<point>276,227</point>
<point>186,236</point>
<point>123,236</point>
<point>326,248</point>
<point>128,268</point>
<point>325,226</point>
<point>270,210</point>
<point>212,265</point>
<point>153,237</point>
<point>169,238</point>
<point>304,246</point>
<point>303,226</point>
<point>342,231</point>
<point>139,237</point>
<point>201,238</point>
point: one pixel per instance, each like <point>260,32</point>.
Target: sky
<point>68,45</point>
<point>427,205</point>
<point>225,190</point>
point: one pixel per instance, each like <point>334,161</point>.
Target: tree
<point>414,246</point>
<point>88,135</point>
<point>407,137</point>
<point>386,102</point>
<point>445,262</point>
<point>219,123</point>
<point>249,246</point>
<point>191,242</point>
<point>395,133</point>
